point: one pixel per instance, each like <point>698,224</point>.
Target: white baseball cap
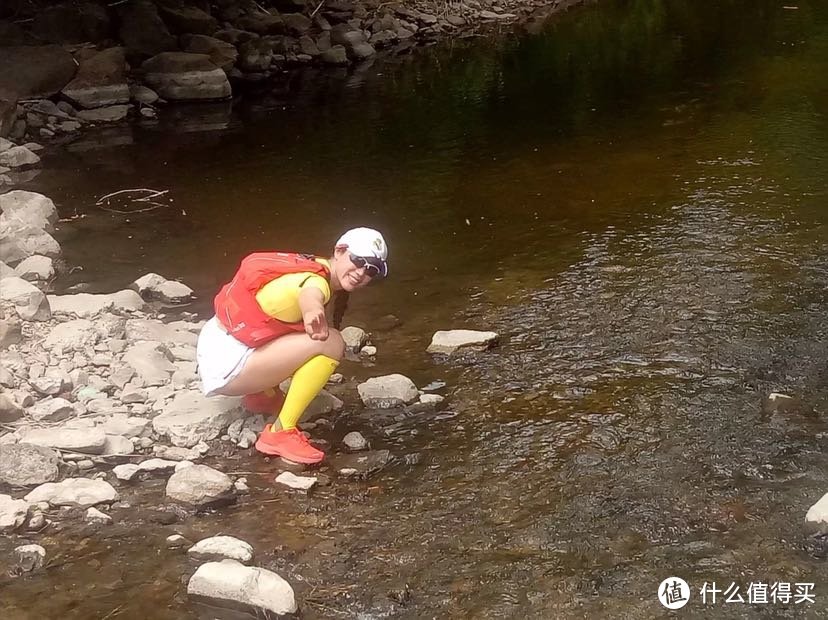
<point>367,243</point>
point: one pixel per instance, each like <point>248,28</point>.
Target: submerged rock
<point>361,465</point>
<point>231,582</point>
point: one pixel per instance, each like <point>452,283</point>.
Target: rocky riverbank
<point>67,66</point>
<point>100,396</point>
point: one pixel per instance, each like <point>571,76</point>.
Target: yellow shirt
<point>279,298</point>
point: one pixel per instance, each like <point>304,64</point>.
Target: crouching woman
<point>270,324</point>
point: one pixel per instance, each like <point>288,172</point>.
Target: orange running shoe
<point>263,402</point>
<point>291,445</point>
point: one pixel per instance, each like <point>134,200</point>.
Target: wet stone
<point>28,558</point>
<point>361,465</point>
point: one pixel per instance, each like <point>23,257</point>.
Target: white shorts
<point>220,357</point>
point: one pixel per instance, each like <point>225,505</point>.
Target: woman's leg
<point>275,361</point>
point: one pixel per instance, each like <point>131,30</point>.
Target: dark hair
<point>340,304</point>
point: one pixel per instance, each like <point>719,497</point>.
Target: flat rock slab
<point>74,492</point>
<point>229,583</point>
<point>86,440</point>
<point>449,341</point>
<point>191,417</point>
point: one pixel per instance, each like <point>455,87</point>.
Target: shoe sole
<point>269,450</point>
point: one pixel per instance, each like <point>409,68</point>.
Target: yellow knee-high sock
<point>306,383</point>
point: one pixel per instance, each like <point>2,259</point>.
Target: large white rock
<point>52,410</point>
<point>74,335</point>
<point>449,341</point>
<point>84,440</point>
<point>29,301</point>
<point>234,582</point>
<point>198,484</point>
<point>354,337</point>
<point>74,492</point>
<point>388,391</point>
<point>22,208</point>
<point>818,513</point>
<point>192,417</point>
<point>221,547</point>
<point>12,513</point>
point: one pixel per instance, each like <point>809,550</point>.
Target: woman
<point>270,324</point>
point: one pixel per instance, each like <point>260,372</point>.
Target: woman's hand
<point>316,325</point>
<point>312,304</point>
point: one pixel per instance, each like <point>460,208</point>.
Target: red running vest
<point>236,306</point>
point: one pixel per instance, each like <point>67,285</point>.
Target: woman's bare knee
<point>334,345</point>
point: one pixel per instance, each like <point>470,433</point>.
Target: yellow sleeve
<point>279,298</point>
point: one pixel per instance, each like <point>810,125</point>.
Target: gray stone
<point>449,341</point>
<point>151,362</point>
<point>154,287</point>
<point>17,243</point>
<point>81,492</point>
<point>142,329</point>
<point>142,29</point>
<point>355,442</point>
<point>116,444</point>
<point>198,485</point>
<point>222,547</point>
<point>28,558</point>
<point>10,411</point>
<point>261,591</point>
<point>143,94</point>
<point>108,114</point>
<point>52,410</point>
<point>336,55</point>
<point>354,337</point>
<point>28,72</point>
<point>25,465</point>
<point>85,441</point>
<point>362,464</point>
<point>221,53</point>
<point>18,157</point>
<point>300,483</point>
<point>73,335</point>
<point>22,208</point>
<point>100,81</point>
<point>29,301</point>
<point>174,453</point>
<point>93,515</point>
<point>36,268</point>
<point>388,391</point>
<point>191,417</point>
<point>178,76</point>
<point>12,513</point>
<point>184,19</point>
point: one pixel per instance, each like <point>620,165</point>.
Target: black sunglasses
<point>374,267</point>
